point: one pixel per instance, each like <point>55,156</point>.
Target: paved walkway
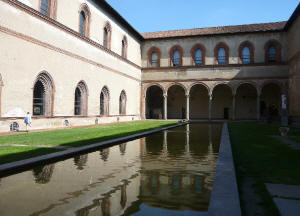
<point>287,141</point>
<point>286,197</point>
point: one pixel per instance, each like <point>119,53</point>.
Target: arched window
<point>82,23</point>
<point>272,54</point>
<point>221,53</point>
<point>176,58</point>
<point>104,102</point>
<point>43,95</point>
<point>122,103</point>
<point>246,53</point>
<point>198,57</point>
<point>107,36</point>
<point>84,19</point>
<point>246,59</point>
<point>39,99</point>
<point>273,51</point>
<point>80,102</point>
<point>48,8</point>
<point>221,56</point>
<point>45,6</point>
<point>153,57</point>
<point>124,47</point>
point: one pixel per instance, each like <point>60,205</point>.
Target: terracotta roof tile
<point>262,27</point>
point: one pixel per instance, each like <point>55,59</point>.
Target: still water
<point>167,173</point>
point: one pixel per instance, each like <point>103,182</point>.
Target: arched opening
<point>107,36</point>
<point>199,102</point>
<point>82,23</point>
<point>176,102</point>
<point>43,96</point>
<point>124,47</point>
<point>222,102</point>
<point>270,101</point>
<point>154,103</point>
<point>104,102</point>
<point>80,102</point>
<point>246,102</point>
<point>122,103</point>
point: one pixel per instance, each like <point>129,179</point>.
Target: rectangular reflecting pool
<point>167,173</point>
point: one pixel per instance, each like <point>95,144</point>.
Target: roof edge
<point>294,16</point>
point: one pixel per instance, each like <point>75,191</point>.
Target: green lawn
<point>69,137</point>
<point>263,158</point>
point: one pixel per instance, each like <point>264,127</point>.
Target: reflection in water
<point>104,154</point>
<point>42,174</point>
<point>123,195</point>
<point>105,206</point>
<point>169,173</point>
<point>122,148</point>
<point>80,161</point>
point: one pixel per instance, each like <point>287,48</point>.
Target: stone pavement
<point>286,198</point>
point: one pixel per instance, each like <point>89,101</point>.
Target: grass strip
<point>74,137</point>
<point>266,160</point>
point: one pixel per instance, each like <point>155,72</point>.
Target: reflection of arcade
<point>104,153</point>
<point>43,174</point>
<point>187,183</point>
<point>80,161</point>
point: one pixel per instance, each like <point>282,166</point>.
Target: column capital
<point>187,95</point>
<point>165,95</point>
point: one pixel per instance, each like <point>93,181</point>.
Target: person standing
<point>27,120</point>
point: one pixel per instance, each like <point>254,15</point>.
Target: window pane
<point>154,59</point>
<point>105,38</point>
<point>272,54</point>
<point>221,56</point>
<point>198,57</point>
<point>45,7</point>
<point>176,58</point>
<point>246,55</point>
<point>82,23</point>
<point>77,104</point>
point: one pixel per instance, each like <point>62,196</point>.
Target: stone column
<point>188,107</point>
<point>210,107</point>
<point>165,106</point>
<point>233,106</point>
<point>165,142</point>
<point>143,104</point>
<point>258,107</point>
<point>187,147</point>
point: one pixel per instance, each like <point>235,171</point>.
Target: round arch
<point>246,101</point>
<point>199,101</point>
<point>222,103</point>
<point>154,102</point>
<point>176,104</point>
<point>270,101</point>
<point>176,84</point>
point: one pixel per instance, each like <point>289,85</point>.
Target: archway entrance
<point>176,102</point>
<point>246,102</point>
<point>154,103</point>
<point>199,102</point>
<point>270,101</point>
<point>222,102</point>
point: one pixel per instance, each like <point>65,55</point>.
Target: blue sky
<point>161,15</point>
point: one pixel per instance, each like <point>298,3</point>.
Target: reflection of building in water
<point>80,161</point>
<point>42,174</point>
<point>122,148</point>
<point>104,154</point>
